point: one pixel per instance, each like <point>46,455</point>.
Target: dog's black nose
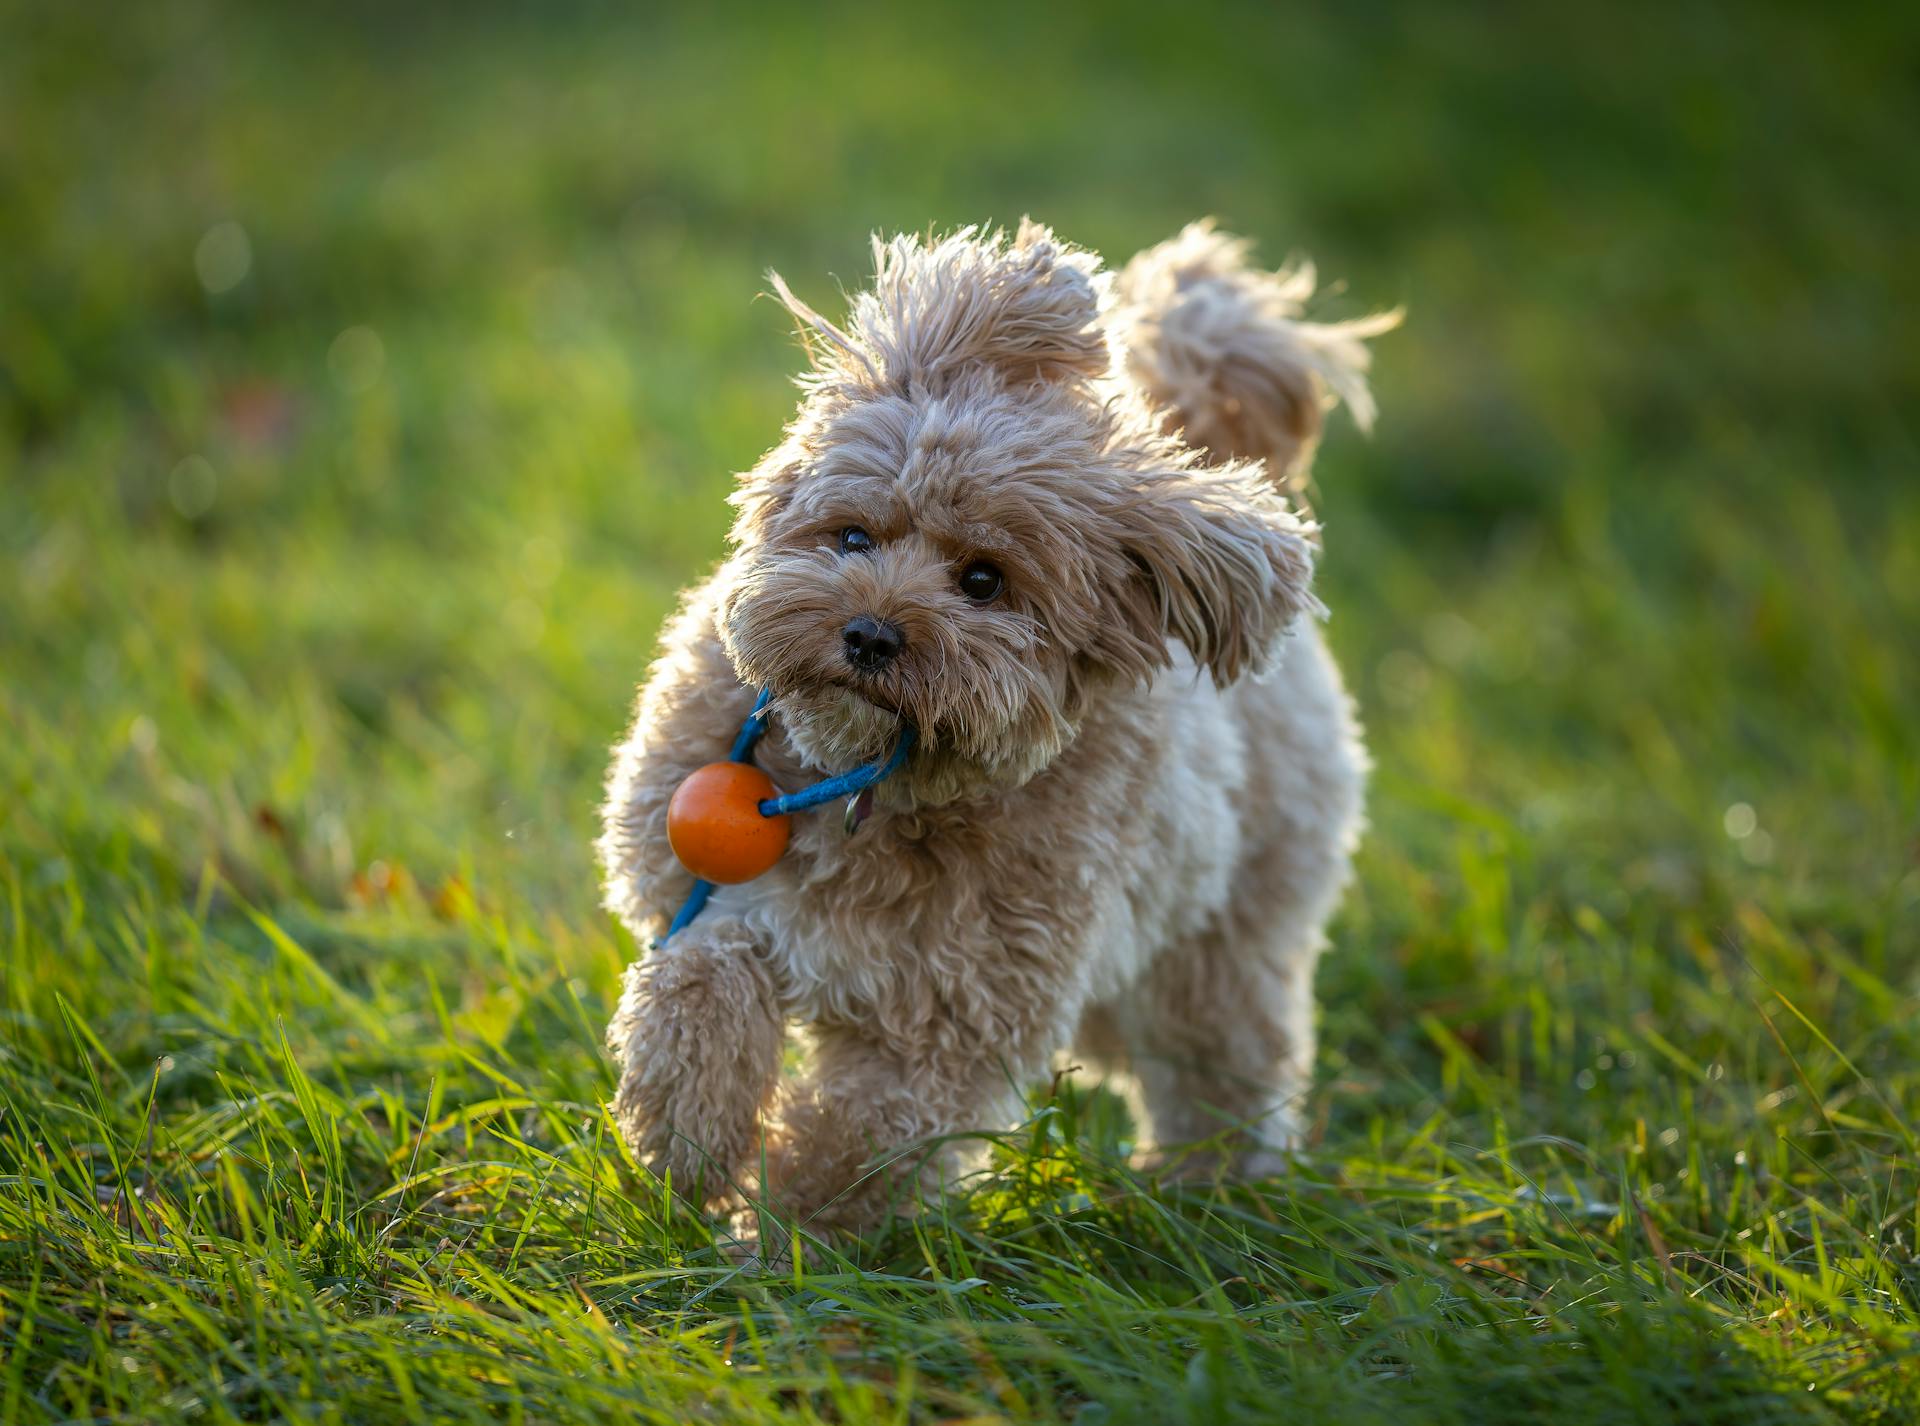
<point>872,644</point>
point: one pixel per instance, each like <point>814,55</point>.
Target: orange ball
<point>715,827</point>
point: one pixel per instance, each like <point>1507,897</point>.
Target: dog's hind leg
<point>1221,1041</point>
<point>1220,1025</point>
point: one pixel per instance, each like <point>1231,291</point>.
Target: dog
<point>1039,512</point>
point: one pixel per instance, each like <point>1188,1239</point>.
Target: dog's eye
<point>855,541</point>
<point>981,582</point>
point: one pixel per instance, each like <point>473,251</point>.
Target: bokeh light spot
<point>356,359</point>
<point>142,736</point>
<point>223,257</point>
<point>193,486</point>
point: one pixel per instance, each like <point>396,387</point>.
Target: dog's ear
<point>1213,557</point>
<point>1028,308</point>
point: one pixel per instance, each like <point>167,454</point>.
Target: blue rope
<point>751,730</point>
<point>846,784</point>
<point>695,903</point>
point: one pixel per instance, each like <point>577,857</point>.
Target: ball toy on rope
<point>727,823</point>
<point>716,828</point>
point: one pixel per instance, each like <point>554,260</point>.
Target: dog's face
<point>971,527</point>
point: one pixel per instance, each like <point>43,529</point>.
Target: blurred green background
<point>371,383</point>
<point>371,378</point>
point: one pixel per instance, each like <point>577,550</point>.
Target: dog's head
<point>975,525</point>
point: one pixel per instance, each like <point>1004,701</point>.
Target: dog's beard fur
<point>983,686</point>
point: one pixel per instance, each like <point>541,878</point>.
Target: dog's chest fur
<point>1000,916</point>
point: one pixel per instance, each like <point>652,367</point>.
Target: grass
<point>331,544</point>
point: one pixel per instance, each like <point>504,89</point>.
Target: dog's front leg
<point>852,1137</point>
<point>699,1034</point>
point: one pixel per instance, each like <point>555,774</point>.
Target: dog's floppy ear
<point>1028,308</point>
<point>1213,557</point>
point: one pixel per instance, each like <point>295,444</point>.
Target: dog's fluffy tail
<point>1220,347</point>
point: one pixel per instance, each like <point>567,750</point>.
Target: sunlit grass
<point>368,387</point>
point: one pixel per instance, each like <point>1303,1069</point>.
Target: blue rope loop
<point>833,789</point>
<point>751,730</point>
<point>695,903</point>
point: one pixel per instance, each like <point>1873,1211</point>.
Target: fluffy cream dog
<point>1040,513</point>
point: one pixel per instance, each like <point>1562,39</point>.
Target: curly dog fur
<point>1138,783</point>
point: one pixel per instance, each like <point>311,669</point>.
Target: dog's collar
<point>851,785</point>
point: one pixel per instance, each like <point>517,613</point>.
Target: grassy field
<point>369,384</point>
